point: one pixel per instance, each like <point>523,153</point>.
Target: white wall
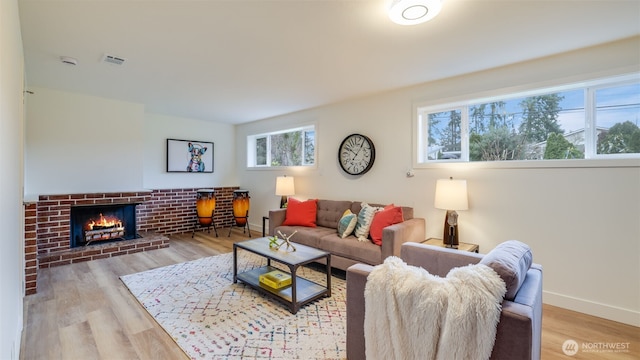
<point>583,224</point>
<point>159,128</point>
<point>78,143</point>
<point>11,176</point>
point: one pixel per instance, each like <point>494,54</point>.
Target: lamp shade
<point>284,186</point>
<point>451,194</point>
<point>412,12</point>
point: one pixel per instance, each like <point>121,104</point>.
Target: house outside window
<point>290,147</point>
<point>588,122</point>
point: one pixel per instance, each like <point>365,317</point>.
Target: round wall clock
<point>356,154</point>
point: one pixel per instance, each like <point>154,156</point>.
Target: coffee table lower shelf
<point>306,291</point>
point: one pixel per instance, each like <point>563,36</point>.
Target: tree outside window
<point>618,115</point>
<point>444,135</point>
<point>261,151</point>
<point>540,127</point>
<point>295,147</point>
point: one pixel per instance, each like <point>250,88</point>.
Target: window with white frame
<point>290,147</point>
<point>617,109</point>
<point>600,120</point>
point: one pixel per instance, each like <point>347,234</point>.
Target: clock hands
<point>355,153</point>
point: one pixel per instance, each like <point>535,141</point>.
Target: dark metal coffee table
<point>301,291</point>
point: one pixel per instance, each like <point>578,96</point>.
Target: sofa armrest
<point>435,259</point>
<point>519,331</point>
<point>356,282</point>
<point>393,236</point>
<point>276,218</point>
<point>514,332</point>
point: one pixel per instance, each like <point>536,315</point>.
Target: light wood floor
<point>83,311</point>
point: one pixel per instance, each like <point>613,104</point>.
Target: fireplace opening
<point>99,224</point>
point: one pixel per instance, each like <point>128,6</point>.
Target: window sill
<point>281,168</point>
<point>533,164</point>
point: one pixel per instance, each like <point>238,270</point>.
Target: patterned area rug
<point>209,317</point>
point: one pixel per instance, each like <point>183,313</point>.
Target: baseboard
<point>609,312</point>
<point>17,342</point>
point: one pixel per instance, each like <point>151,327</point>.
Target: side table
<point>461,246</point>
<point>264,219</point>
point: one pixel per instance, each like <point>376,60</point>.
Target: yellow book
<point>275,279</point>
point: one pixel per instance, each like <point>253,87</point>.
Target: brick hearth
<point>148,241</point>
<point>159,213</point>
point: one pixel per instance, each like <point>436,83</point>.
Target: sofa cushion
<point>356,206</point>
<point>310,236</point>
<point>365,216</point>
<point>302,213</point>
<point>350,248</point>
<point>388,216</point>
<point>511,260</point>
<point>407,212</point>
<point>330,212</point>
<point>347,223</point>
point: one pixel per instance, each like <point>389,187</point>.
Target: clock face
<point>356,154</point>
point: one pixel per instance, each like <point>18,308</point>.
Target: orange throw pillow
<point>301,213</point>
<point>388,216</point>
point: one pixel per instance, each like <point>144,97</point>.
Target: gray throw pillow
<point>511,260</point>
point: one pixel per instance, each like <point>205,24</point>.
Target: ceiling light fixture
<point>412,12</point>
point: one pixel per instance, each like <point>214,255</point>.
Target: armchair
<point>519,331</point>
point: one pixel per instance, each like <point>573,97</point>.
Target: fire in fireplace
<point>103,229</point>
<point>97,224</point>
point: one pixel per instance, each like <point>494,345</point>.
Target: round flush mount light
<point>412,12</point>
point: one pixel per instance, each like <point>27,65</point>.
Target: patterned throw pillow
<point>347,223</point>
<point>365,216</point>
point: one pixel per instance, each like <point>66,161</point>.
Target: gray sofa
<point>349,251</point>
<point>519,331</point>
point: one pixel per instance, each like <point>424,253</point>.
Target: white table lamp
<point>284,188</point>
<point>451,195</point>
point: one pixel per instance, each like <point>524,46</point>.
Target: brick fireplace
<point>158,213</point>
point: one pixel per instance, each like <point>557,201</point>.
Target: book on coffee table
<point>275,279</point>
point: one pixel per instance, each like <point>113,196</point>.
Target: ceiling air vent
<point>113,59</point>
<point>68,60</point>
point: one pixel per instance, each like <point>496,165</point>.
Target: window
<point>444,135</point>
<point>261,151</point>
<point>616,117</point>
<point>542,125</point>
<point>291,147</point>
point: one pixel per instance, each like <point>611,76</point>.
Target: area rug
<point>209,317</point>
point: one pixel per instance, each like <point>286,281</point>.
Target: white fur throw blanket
<point>411,314</point>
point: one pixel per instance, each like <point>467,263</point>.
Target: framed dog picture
<point>189,156</point>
